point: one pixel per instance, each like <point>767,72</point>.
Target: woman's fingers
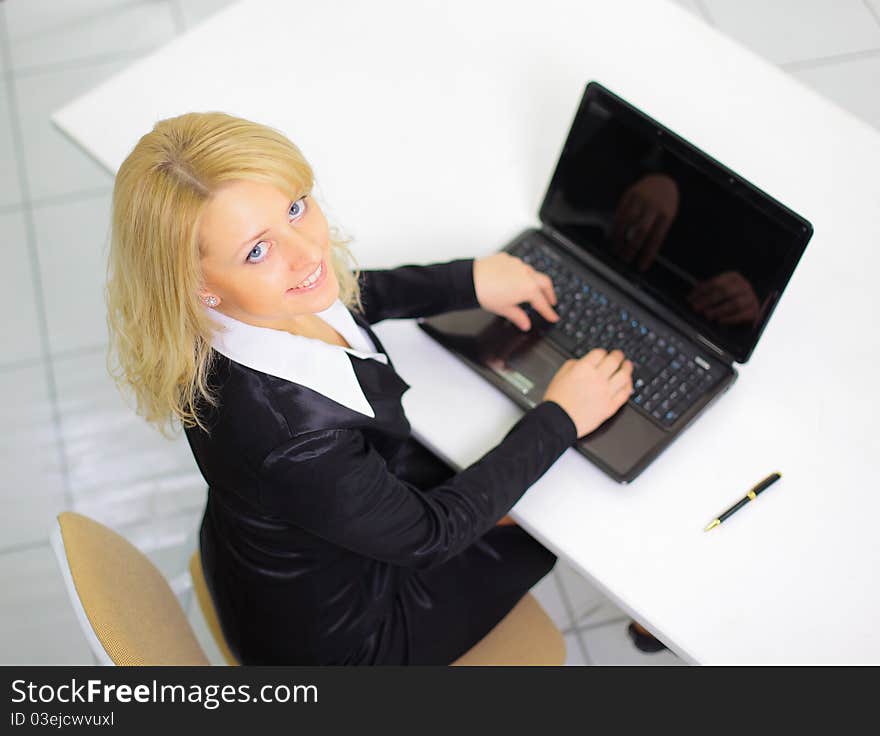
<point>595,357</point>
<point>623,393</point>
<point>610,363</point>
<point>518,317</point>
<point>546,284</point>
<point>543,296</point>
<point>622,378</point>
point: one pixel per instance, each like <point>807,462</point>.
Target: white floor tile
<point>169,542</point>
<point>583,598</point>
<point>197,11</point>
<point>589,606</point>
<point>37,623</point>
<point>180,494</point>
<point>574,655</point>
<point>32,490</point>
<point>854,85</point>
<point>55,164</point>
<point>72,247</point>
<point>794,30</point>
<point>112,453</point>
<point>50,32</point>
<point>611,645</point>
<point>605,613</point>
<point>10,189</point>
<point>547,594</point>
<point>20,327</point>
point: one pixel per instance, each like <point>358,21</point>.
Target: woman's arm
<point>418,291</point>
<point>332,483</point>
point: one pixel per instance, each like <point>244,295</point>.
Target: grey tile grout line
<point>874,13</point>
<point>36,544</point>
<point>600,624</point>
<point>55,199</point>
<point>60,355</point>
<point>98,58</point>
<point>582,620</point>
<point>84,61</point>
<point>794,66</point>
<point>30,234</point>
<point>190,514</point>
<point>89,17</point>
<point>24,547</point>
<point>167,475</point>
<point>563,594</point>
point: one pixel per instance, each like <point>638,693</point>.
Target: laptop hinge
<point>637,294</point>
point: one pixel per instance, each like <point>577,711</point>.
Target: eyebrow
<point>252,239</point>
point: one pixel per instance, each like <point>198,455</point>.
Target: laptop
<point>654,248</point>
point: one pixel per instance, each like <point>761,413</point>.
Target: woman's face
<point>258,248</point>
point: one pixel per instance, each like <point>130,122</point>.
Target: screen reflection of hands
<point>727,298</point>
<point>642,219</point>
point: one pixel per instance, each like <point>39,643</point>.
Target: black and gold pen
<point>750,496</point>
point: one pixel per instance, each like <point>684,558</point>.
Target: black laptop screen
<point>691,233</point>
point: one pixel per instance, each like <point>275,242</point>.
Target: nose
<point>301,253</point>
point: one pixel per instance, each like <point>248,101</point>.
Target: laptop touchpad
<point>623,440</point>
<point>539,362</point>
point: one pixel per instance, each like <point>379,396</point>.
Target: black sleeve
<point>335,485</point>
<point>418,291</point>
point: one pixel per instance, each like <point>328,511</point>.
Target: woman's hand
<point>591,388</point>
<point>503,281</point>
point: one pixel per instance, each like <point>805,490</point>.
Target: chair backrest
<point>126,609</point>
<point>209,612</point>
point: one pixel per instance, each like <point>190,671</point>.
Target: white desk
<point>433,129</point>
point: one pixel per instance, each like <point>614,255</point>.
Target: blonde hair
<point>160,332</point>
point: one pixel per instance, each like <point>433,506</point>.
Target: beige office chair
<point>525,636</point>
<point>125,607</point>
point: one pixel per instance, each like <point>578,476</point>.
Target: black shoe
<point>644,642</point>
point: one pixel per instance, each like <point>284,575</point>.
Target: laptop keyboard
<point>669,375</point>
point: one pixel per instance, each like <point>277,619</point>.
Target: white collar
<point>308,361</point>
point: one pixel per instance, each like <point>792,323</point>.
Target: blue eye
<point>260,250</point>
<point>301,204</point>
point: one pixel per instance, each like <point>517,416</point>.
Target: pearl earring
<point>211,301</point>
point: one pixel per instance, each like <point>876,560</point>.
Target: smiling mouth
<point>315,278</point>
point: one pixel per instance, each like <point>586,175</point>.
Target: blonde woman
<point>330,535</point>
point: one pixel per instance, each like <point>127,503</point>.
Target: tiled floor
<point>71,440</point>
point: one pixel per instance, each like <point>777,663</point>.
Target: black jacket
<point>322,523</point>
